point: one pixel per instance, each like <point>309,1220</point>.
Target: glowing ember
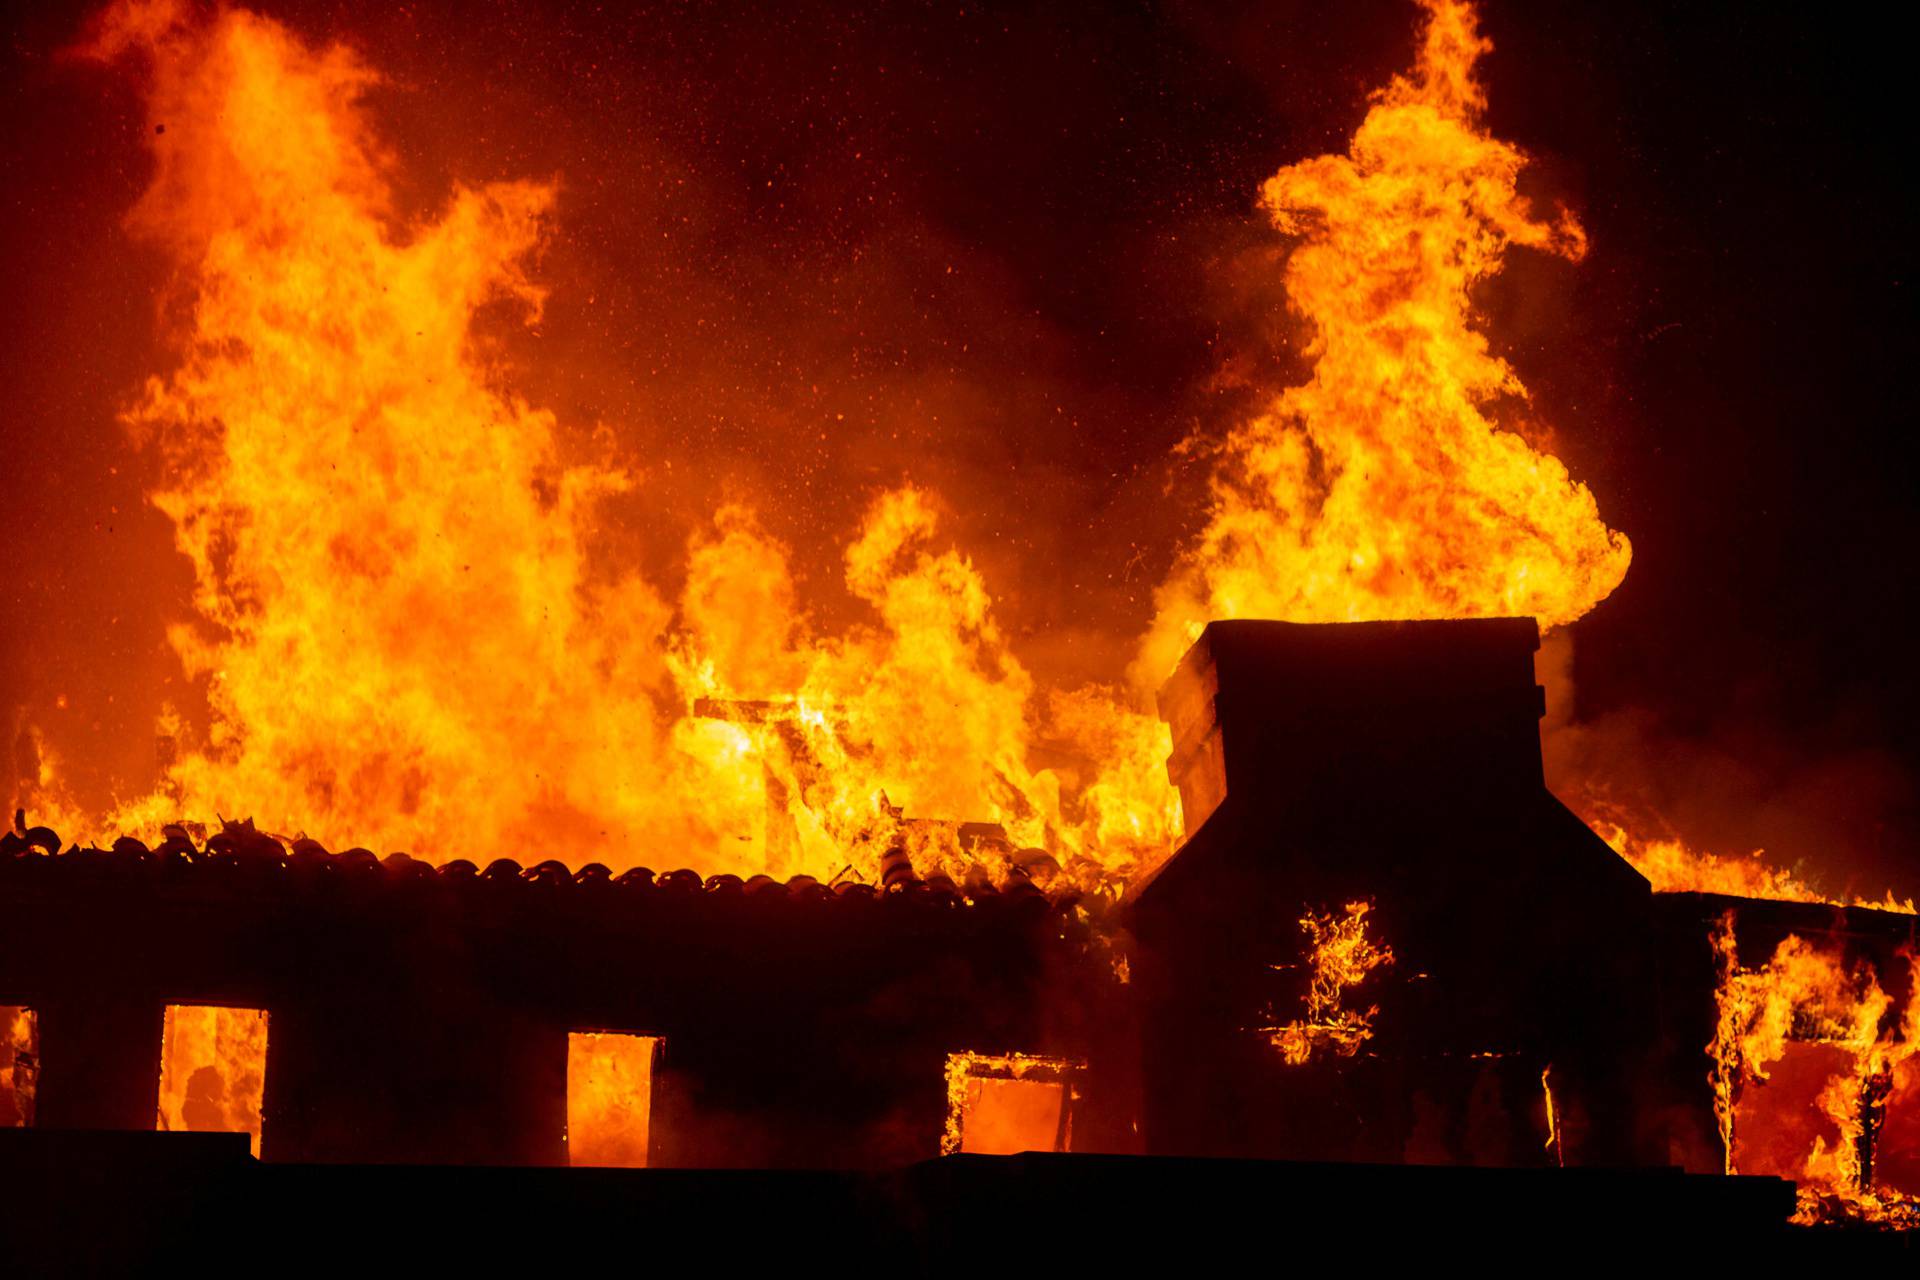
<point>1006,1104</point>
<point>1342,956</point>
<point>19,1065</point>
<point>213,1070</point>
<point>609,1098</point>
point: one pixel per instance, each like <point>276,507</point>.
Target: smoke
<point>1822,808</point>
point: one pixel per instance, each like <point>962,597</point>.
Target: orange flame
<point>403,635</point>
<point>213,1070</point>
<point>1342,957</point>
<point>1671,866</point>
<point>1004,1104</point>
<point>1807,993</point>
<point>1381,488</point>
<point>19,1065</point>
<point>408,635</point>
<point>1554,1144</point>
<point>609,1098</point>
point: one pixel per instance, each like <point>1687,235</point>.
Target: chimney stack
<point>1396,763</point>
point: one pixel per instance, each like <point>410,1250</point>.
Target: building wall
<point>422,1016</point>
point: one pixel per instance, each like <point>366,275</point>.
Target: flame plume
<point>1381,488</point>
<point>403,636</point>
<point>397,631</point>
<point>406,640</point>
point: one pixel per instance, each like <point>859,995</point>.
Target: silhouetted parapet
<point>1397,763</point>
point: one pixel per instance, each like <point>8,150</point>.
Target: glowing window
<point>1003,1105</point>
<point>19,1065</point>
<point>213,1069</point>
<point>609,1098</point>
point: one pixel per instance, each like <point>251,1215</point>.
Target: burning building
<point>861,919</point>
<point>1492,985</point>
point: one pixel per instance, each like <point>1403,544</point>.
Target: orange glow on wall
<point>213,1070</point>
<point>609,1098</point>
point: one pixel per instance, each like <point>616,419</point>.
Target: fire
<point>609,1098</point>
<point>1671,866</point>
<point>408,628</point>
<point>1554,1143</point>
<point>1004,1104</point>
<point>1382,488</point>
<point>928,712</point>
<point>213,1068</point>
<point>1808,994</point>
<point>19,1065</point>
<point>404,633</point>
<point>1342,956</point>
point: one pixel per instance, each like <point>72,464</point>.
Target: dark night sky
<point>1012,253</point>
